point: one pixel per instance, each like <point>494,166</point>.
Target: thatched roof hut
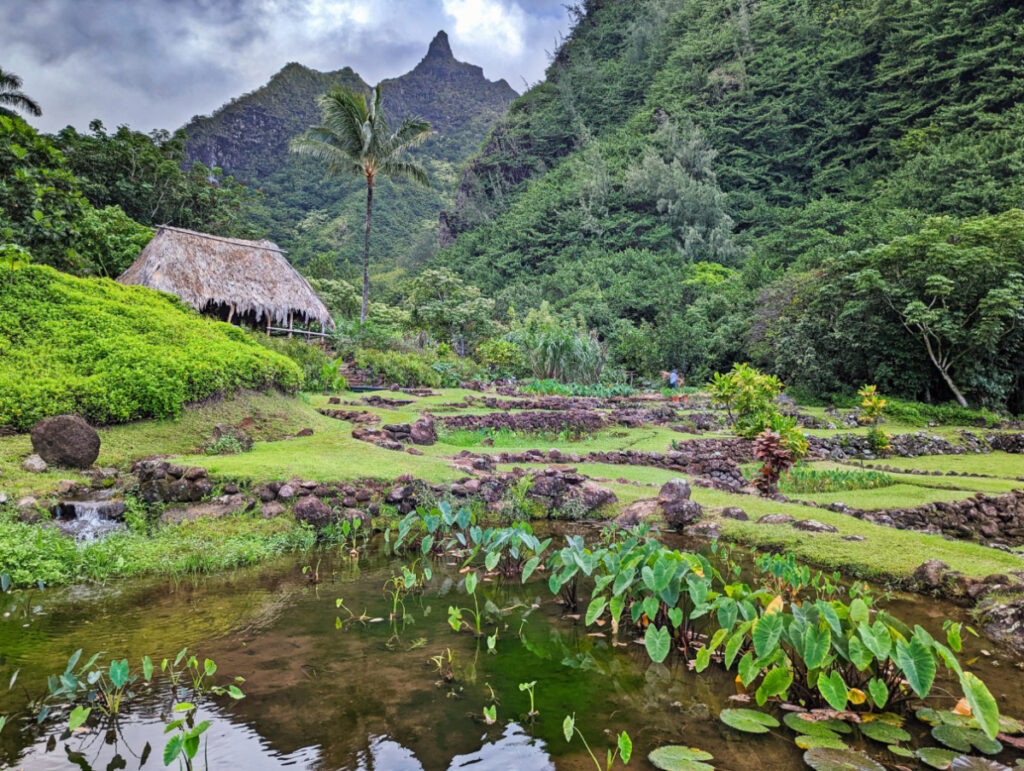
<point>231,278</point>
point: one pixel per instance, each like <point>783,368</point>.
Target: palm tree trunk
<point>366,251</point>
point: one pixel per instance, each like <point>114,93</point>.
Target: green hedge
<point>115,353</point>
<point>425,369</point>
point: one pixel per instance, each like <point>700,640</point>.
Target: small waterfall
<point>91,516</point>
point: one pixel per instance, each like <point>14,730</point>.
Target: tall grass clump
<point>565,355</point>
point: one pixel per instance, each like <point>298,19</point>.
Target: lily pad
<point>883,732</point>
<point>749,720</point>
<point>973,763</point>
<point>810,742</point>
<point>903,752</point>
<point>828,759</point>
<point>803,726</point>
<point>962,739</point>
<point>937,758</point>
<point>678,758</point>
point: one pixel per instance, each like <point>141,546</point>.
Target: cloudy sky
<point>156,63</point>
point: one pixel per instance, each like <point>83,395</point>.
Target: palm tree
<point>10,94</point>
<point>354,139</point>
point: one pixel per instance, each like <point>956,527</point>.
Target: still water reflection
<point>367,695</point>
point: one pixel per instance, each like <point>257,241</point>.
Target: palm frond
<point>399,169</point>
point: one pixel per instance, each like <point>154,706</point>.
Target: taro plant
<point>401,584</point>
<point>105,688</point>
<point>623,744</point>
<point>530,688</point>
<point>820,650</point>
<point>455,619</point>
<point>184,744</point>
<point>434,531</point>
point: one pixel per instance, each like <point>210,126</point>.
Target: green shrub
<point>502,357</point>
<point>319,371</point>
<point>406,369</point>
<point>115,353</point>
<point>350,336</point>
<point>423,369</point>
<point>563,354</point>
<point>748,396</point>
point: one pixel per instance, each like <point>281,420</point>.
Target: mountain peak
<point>439,47</point>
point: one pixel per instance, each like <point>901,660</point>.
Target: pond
<point>326,691</point>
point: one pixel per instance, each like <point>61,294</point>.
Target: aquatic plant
<point>455,620</point>
<point>623,744</point>
<point>184,744</point>
<point>530,688</point>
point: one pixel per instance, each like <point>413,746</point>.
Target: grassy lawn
<point>886,552</point>
<point>988,485</point>
<point>895,496</point>
<point>998,464</point>
<point>328,456</point>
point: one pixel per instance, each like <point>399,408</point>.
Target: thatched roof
<point>211,273</point>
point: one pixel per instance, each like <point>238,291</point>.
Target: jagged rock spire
<point>439,47</point>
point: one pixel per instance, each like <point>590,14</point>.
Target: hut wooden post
<point>291,324</point>
<point>268,325</point>
<point>231,313</point>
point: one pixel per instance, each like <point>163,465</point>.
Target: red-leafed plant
<point>778,449</point>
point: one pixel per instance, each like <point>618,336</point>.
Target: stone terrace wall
<point>993,519</point>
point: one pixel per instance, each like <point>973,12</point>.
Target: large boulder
<point>676,506</point>
<point>591,495</point>
<point>642,511</point>
<point>311,509</point>
<point>423,431</point>
<point>66,440</point>
<point>929,574</point>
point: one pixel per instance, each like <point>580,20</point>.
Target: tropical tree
<point>957,287</point>
<point>354,139</point>
<point>12,96</point>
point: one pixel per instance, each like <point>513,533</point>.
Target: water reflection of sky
<point>233,745</point>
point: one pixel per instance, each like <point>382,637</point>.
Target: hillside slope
<point>114,353</point>
<point>310,216</point>
<point>681,160</point>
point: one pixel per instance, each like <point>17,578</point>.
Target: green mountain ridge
<point>312,217</point>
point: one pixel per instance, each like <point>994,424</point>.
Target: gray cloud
<point>155,63</point>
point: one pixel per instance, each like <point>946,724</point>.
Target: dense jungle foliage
<point>719,180</point>
<point>115,353</point>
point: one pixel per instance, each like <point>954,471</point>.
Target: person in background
<point>673,379</point>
